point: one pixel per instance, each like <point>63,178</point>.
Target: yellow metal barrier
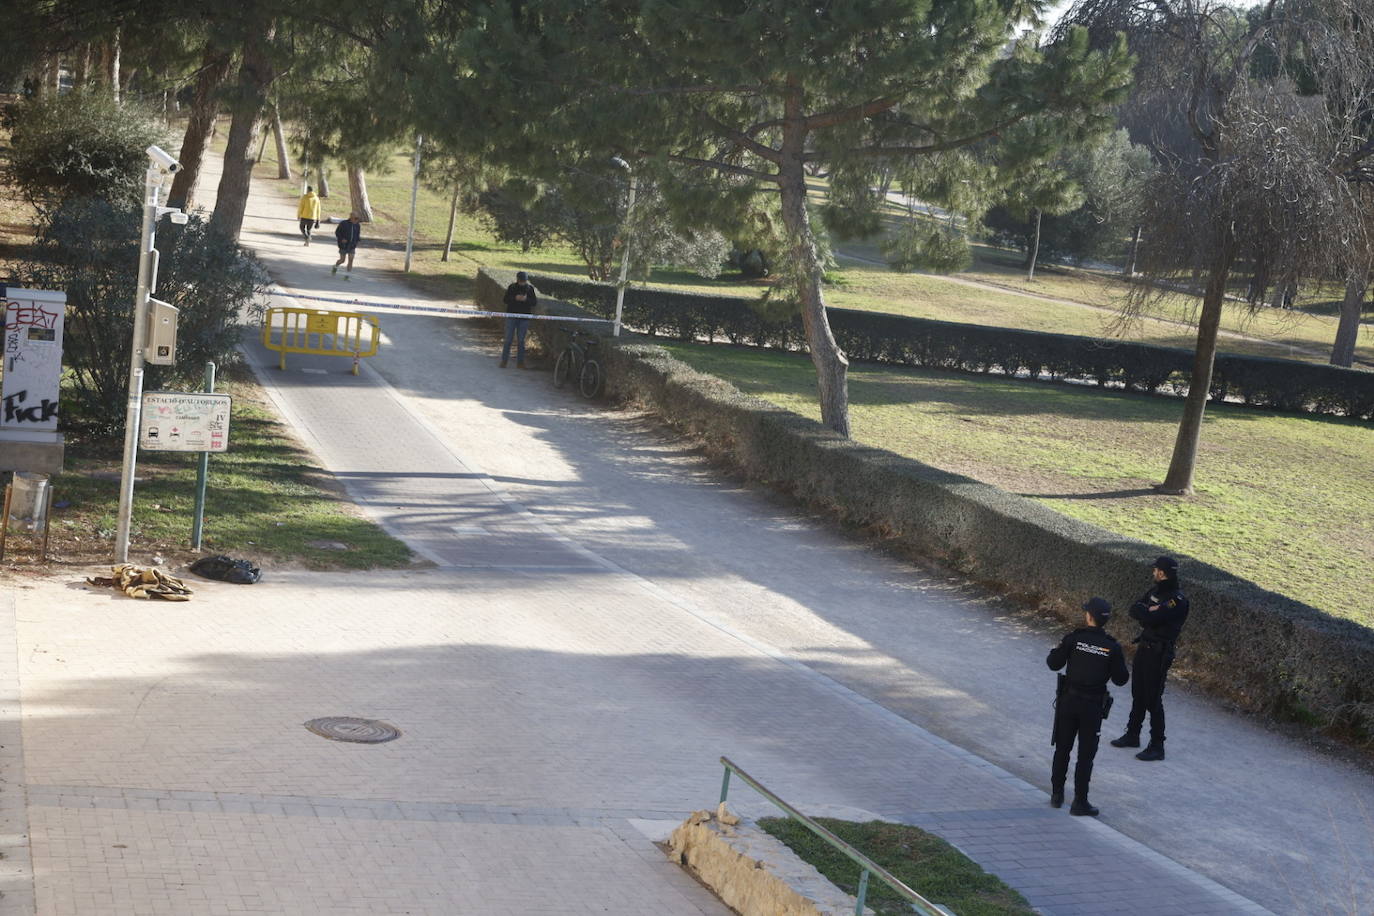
<point>297,330</point>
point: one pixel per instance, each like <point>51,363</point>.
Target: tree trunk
<point>256,74</point>
<point>1035,245</point>
<point>283,157</point>
<point>357,193</point>
<point>1280,288</point>
<point>1348,330</point>
<point>46,77</point>
<point>81,71</point>
<point>832,367</point>
<point>321,178</point>
<point>1179,480</point>
<point>112,65</point>
<point>214,70</point>
<point>452,219</point>
<point>1135,250</point>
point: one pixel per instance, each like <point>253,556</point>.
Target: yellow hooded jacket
<point>310,207</point>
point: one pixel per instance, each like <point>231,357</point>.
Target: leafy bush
<point>79,145</point>
<point>89,248</point>
<point>587,211</point>
<point>919,246</point>
<point>880,337</point>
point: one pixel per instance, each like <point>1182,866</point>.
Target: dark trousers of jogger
<point>1077,717</point>
<point>306,226</point>
<point>515,330</point>
<point>1148,673</point>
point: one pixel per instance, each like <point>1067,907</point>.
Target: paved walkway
<point>604,617</point>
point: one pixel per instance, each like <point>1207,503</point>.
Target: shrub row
<point>1266,652</point>
<point>878,337</point>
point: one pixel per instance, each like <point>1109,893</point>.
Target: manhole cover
<point>353,729</point>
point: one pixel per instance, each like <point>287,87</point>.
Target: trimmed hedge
<point>878,337</point>
<point>1264,651</point>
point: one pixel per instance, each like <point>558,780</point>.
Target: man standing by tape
<point>1092,658</point>
<point>520,298</point>
<point>1161,614</point>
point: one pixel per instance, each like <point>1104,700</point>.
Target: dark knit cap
<point>1168,564</point>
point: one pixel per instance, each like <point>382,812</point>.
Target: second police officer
<point>1161,613</point>
<point>1091,658</point>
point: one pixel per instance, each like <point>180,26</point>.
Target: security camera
<point>162,159</point>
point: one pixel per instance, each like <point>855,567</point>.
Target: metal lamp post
<point>160,166</point>
<point>625,242</point>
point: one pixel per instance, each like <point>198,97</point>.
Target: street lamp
<point>160,165</point>
<point>625,242</point>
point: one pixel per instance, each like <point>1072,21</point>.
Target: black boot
<point>1057,797</point>
<point>1130,739</point>
<point>1082,808</point>
<point>1152,751</point>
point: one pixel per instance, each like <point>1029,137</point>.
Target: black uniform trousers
<point>1151,667</point>
<point>1077,716</point>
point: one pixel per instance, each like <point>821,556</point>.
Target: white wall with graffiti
<point>32,361</point>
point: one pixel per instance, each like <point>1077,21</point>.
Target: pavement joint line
<point>18,880</point>
<point>137,798</point>
<point>1031,792</point>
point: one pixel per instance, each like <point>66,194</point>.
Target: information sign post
<point>175,421</point>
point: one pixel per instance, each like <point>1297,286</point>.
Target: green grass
<point>923,862</point>
<point>1283,500</point>
<point>265,500</point>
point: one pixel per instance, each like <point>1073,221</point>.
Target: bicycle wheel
<point>563,368</point>
<point>589,382</point>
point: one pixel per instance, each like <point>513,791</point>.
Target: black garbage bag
<point>227,569</point>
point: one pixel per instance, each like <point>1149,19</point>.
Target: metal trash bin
<point>29,500</point>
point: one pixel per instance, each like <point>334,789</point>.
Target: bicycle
<point>579,358</point>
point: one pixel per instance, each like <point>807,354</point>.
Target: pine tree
<point>745,96</point>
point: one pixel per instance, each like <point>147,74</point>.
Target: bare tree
<point>283,155</point>
<point>213,71</point>
<point>1252,171</point>
<point>359,202</point>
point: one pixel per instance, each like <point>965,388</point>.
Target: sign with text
<point>175,421</point>
<point>32,359</point>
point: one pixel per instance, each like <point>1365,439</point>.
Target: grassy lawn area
<point>1287,333</point>
<point>266,500</point>
<point>1282,500</point>
<point>923,862</point>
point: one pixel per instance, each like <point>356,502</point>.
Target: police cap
<point>1100,608</point>
<point>1168,564</point>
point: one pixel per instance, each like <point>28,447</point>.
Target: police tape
<point>432,309</point>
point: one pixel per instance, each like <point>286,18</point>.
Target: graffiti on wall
<point>32,359</point>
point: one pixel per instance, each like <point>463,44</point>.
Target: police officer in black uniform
<point>1161,613</point>
<point>1092,658</point>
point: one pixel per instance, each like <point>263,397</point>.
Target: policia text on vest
<point>1090,658</point>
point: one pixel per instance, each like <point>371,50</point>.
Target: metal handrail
<point>922,905</point>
